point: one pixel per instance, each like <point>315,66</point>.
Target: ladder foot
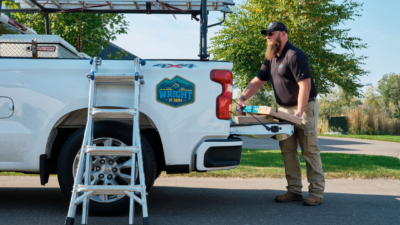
<point>69,221</point>
<point>145,220</point>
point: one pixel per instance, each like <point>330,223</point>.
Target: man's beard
<point>272,49</point>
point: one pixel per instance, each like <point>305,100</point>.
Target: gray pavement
<point>332,144</point>
<point>214,201</point>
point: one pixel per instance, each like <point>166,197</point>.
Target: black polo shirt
<point>285,72</point>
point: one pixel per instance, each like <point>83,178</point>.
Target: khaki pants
<point>305,135</point>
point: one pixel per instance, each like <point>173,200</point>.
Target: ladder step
<point>114,77</point>
<point>113,113</point>
<point>109,189</point>
<point>100,150</point>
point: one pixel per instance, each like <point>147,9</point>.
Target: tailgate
<point>277,130</point>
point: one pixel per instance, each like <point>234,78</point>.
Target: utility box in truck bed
<point>37,46</point>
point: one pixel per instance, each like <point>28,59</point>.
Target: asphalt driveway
<point>214,201</point>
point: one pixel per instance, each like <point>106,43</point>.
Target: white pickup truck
<point>184,119</point>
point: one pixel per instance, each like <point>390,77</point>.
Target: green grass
<point>390,138</point>
<point>16,174</point>
<point>21,174</point>
<point>269,164</point>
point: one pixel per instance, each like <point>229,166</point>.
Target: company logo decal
<point>180,66</point>
<point>176,92</point>
<point>270,25</point>
<point>280,66</point>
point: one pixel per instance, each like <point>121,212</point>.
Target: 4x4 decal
<point>180,66</point>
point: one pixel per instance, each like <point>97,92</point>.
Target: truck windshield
<point>5,29</point>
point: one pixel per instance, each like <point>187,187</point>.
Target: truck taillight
<point>224,100</point>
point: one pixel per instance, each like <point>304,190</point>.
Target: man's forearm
<point>304,94</point>
<point>251,89</point>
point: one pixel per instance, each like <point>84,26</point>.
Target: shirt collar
<point>284,50</point>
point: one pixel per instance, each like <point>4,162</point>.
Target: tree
<point>97,29</point>
<point>372,96</point>
<point>312,26</point>
<point>335,104</point>
<point>329,105</point>
<point>389,88</point>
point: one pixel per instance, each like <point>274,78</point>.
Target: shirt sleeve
<point>263,73</point>
<point>299,67</point>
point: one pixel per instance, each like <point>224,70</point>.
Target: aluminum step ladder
<point>83,189</point>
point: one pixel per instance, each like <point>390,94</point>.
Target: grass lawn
<point>391,138</point>
<point>21,174</point>
<point>269,163</point>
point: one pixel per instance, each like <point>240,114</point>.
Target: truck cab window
<point>5,29</point>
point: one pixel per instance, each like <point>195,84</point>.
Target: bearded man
<point>286,67</point>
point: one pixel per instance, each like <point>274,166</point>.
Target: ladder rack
<point>121,6</point>
<point>191,7</point>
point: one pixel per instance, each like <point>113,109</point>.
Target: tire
<point>115,131</point>
<point>155,141</point>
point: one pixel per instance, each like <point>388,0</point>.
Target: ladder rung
<point>114,77</point>
<point>113,113</point>
<point>100,150</point>
<point>109,189</point>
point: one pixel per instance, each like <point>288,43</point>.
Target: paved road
<point>332,144</point>
<point>214,201</point>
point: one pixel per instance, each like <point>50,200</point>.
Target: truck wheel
<point>106,169</point>
<point>155,141</point>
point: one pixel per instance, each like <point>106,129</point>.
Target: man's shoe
<point>289,197</point>
<point>312,200</point>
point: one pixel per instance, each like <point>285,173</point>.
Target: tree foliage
<point>371,97</point>
<point>389,88</point>
<point>335,104</point>
<point>312,26</point>
<point>97,29</point>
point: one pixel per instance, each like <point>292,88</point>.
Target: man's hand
<point>250,90</point>
<point>240,106</point>
<point>298,114</point>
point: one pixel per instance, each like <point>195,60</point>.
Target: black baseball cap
<point>274,26</point>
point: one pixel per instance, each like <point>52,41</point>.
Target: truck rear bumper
<point>219,154</point>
